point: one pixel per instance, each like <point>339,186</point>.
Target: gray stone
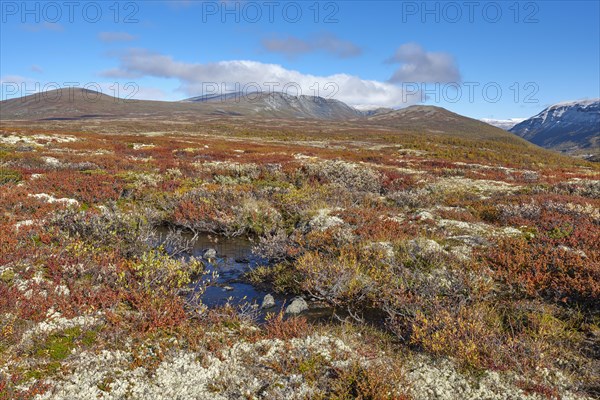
<point>297,306</point>
<point>425,215</point>
<point>323,221</point>
<point>268,302</point>
<point>210,254</point>
<point>424,247</point>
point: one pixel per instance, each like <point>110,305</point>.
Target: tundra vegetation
<point>458,268</point>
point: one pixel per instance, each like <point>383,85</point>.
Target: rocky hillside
<point>436,120</point>
<point>279,105</point>
<point>571,127</point>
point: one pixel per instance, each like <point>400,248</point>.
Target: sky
<point>483,59</point>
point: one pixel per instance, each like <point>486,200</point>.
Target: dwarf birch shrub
<point>352,176</point>
<point>157,273</point>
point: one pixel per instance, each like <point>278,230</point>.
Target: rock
<point>27,222</point>
<point>228,288</point>
<point>268,302</point>
<point>463,252</point>
<point>510,231</point>
<point>425,215</point>
<point>51,199</point>
<point>210,254</point>
<point>471,240</point>
<point>51,161</point>
<point>323,221</point>
<point>567,249</point>
<point>297,306</point>
<point>424,247</point>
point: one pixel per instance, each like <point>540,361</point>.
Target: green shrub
<point>9,176</point>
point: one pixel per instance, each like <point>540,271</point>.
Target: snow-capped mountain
<point>572,127</point>
<point>505,124</point>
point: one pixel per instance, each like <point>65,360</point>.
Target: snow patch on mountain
<point>567,126</point>
<point>505,124</point>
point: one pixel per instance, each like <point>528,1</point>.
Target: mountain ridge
<point>571,127</point>
<point>84,104</point>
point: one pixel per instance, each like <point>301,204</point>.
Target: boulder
<point>268,302</point>
<point>297,306</point>
<point>424,247</point>
<point>209,254</point>
<point>323,221</point>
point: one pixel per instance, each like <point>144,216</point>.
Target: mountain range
<point>64,104</point>
<point>277,104</point>
<point>571,127</point>
<point>80,104</point>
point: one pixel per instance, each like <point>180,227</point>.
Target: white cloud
<point>418,65</point>
<point>194,78</point>
<point>292,46</point>
<point>119,73</point>
<point>110,37</point>
<point>43,26</point>
<point>37,68</point>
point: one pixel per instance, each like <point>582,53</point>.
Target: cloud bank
<point>418,66</point>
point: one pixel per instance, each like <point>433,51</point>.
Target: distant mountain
<point>437,120</point>
<point>571,127</point>
<point>206,98</point>
<point>275,104</point>
<point>505,124</point>
<point>81,104</point>
<point>76,103</point>
<point>375,111</point>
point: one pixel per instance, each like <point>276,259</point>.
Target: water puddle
<point>233,258</point>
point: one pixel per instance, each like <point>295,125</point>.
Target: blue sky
<point>379,53</point>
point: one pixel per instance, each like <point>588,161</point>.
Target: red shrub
<point>156,313</point>
<point>538,268</point>
<point>89,188</point>
<point>374,224</point>
<point>394,180</point>
<point>279,327</point>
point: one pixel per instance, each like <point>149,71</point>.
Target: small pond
<point>234,258</point>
